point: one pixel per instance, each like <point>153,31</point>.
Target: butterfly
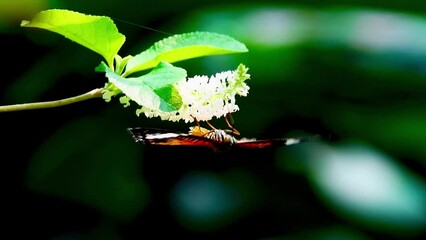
<point>216,139</point>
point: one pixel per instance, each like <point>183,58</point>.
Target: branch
<point>95,93</point>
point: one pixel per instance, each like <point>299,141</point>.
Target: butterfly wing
<point>254,143</point>
<point>151,136</point>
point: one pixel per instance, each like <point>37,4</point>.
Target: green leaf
<point>172,99</point>
<point>98,33</point>
<point>182,47</point>
<point>154,90</point>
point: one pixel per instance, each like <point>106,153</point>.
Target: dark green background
<point>353,72</point>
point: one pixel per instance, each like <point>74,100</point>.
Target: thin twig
<point>95,93</point>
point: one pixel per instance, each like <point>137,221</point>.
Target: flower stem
<point>95,93</point>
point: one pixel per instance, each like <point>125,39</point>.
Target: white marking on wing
<point>162,135</point>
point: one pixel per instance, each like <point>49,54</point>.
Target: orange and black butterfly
<point>216,139</point>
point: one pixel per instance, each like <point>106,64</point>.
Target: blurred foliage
<point>365,186</point>
<point>71,164</point>
<point>354,74</point>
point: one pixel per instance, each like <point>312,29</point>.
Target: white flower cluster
<point>204,98</point>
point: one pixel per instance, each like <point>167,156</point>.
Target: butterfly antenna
<point>230,118</point>
<point>228,122</point>
<point>210,125</point>
<point>196,121</point>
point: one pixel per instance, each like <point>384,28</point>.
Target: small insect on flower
<point>216,139</point>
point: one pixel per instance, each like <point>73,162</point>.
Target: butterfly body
<point>216,139</point>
